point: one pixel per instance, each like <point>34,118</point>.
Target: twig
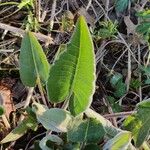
<point>30,93</point>
<point>6,50</point>
<point>121,114</point>
<point>128,79</point>
<point>38,10</point>
<point>21,32</point>
<point>52,14</point>
<point>139,59</point>
<point>114,122</point>
<point>41,91</point>
<point>88,5</point>
<point>27,101</point>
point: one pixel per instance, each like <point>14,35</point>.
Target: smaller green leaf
<point>143,28</point>
<point>114,105</point>
<point>53,138</point>
<point>145,14</point>
<point>25,3</point>
<point>1,110</point>
<point>89,130</point>
<point>54,119</point>
<point>115,79</point>
<point>144,104</point>
<point>117,83</point>
<point>135,83</point>
<point>121,141</point>
<point>28,123</point>
<point>32,60</point>
<point>120,89</point>
<point>121,5</point>
<point>147,81</point>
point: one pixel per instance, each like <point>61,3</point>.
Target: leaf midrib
<point>77,62</point>
<point>33,56</point>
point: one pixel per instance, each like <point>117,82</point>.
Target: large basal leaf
<point>72,76</point>
<point>120,142</point>
<point>90,131</point>
<point>33,62</point>
<point>53,119</point>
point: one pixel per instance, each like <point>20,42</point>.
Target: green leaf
<point>72,76</point>
<point>92,147</point>
<point>144,116</point>
<point>121,141</point>
<point>115,79</point>
<point>25,3</point>
<point>139,123</point>
<point>135,83</point>
<point>54,119</point>
<point>121,5</point>
<point>110,130</point>
<point>145,14</point>
<point>114,105</point>
<point>117,82</point>
<point>33,62</point>
<point>143,28</point>
<point>53,138</point>
<point>1,110</point>
<point>89,131</point>
<point>28,123</point>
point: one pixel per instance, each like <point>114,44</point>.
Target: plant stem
<point>41,91</point>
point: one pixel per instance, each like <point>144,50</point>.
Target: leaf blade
<point>75,68</point>
<point>32,60</point>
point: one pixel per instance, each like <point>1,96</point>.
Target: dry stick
<point>41,91</point>
<point>38,10</point>
<point>111,112</point>
<point>27,101</point>
<point>21,32</point>
<point>118,59</point>
<point>121,114</point>
<point>139,65</point>
<point>88,5</point>
<point>128,79</point>
<point>52,14</point>
<point>107,6</point>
